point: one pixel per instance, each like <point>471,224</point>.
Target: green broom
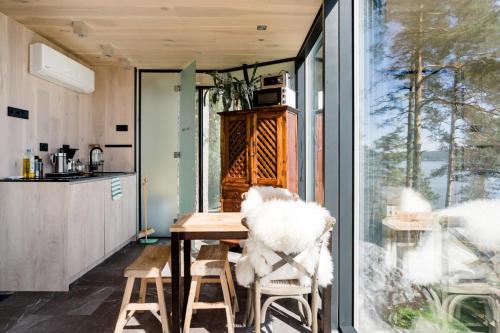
<point>143,234</point>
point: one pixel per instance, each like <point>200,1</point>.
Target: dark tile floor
<point>93,302</point>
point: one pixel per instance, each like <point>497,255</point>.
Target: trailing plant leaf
<point>234,93</point>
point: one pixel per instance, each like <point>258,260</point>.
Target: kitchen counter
<point>71,179</point>
<point>53,231</point>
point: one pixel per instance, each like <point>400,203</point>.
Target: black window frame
<point>335,21</point>
<point>339,152</point>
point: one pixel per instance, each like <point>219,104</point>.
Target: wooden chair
<point>236,242</point>
<point>148,266</point>
<point>289,288</point>
<point>211,261</point>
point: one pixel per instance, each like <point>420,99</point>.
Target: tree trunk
<point>409,138</point>
<point>419,89</point>
<point>451,141</point>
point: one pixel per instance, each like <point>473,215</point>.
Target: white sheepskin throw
<point>259,194</point>
<point>291,227</point>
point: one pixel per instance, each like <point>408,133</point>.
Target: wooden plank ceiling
<point>170,33</point>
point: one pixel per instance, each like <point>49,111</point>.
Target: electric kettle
<point>59,162</point>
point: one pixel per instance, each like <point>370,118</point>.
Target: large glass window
<point>314,123</point>
<point>211,152</point>
<point>427,111</point>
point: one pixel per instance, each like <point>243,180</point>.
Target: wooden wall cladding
<point>258,147</point>
<point>113,104</point>
<point>170,33</point>
<point>58,115</point>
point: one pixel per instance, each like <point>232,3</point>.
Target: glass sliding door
<point>427,135</point>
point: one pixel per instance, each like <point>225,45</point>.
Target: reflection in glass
<point>211,153</point>
<point>314,123</point>
<point>428,192</point>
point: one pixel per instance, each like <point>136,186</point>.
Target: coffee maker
<point>62,161</point>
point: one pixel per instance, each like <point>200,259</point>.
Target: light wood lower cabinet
<point>32,242</point>
<point>85,225</point>
<point>120,216</point>
<point>53,233</point>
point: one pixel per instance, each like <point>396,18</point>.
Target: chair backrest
<point>256,195</point>
<point>291,259</point>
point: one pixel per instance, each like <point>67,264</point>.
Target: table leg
<point>176,281</point>
<point>326,310</point>
<point>187,272</point>
<point>326,298</point>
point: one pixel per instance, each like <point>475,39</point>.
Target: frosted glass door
<point>159,141</point>
<point>188,136</point>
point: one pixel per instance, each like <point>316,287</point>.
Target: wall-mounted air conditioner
<point>53,66</point>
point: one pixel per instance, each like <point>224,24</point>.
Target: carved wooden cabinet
<point>258,147</point>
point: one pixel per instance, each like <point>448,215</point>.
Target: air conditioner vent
<point>51,65</point>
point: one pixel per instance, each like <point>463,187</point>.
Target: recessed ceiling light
<point>80,29</point>
<point>125,63</point>
<point>262,27</point>
<point>107,50</point>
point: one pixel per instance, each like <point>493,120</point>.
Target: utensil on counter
<point>79,166</point>
<point>71,165</point>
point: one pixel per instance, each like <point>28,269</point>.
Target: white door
<point>159,135</point>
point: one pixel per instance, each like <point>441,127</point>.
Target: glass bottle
<point>31,164</point>
<point>26,164</point>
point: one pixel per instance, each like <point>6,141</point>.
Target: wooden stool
<point>148,266</point>
<point>211,261</point>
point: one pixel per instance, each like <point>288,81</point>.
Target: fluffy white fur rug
<point>260,194</point>
<point>290,226</point>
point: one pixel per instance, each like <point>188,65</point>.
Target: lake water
<point>438,184</point>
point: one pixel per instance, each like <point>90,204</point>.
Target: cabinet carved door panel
<point>258,147</point>
<point>235,143</point>
<point>268,149</point>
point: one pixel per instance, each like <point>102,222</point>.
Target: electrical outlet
<point>17,113</point>
<point>44,146</point>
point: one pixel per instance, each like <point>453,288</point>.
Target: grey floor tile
<point>93,302</point>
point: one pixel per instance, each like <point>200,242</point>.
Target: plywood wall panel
<point>113,104</point>
<point>58,115</point>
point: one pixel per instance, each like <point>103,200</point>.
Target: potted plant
<point>234,93</point>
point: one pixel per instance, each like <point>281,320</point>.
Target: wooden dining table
<point>209,226</point>
<point>212,226</point>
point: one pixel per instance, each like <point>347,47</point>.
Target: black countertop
<point>77,178</point>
